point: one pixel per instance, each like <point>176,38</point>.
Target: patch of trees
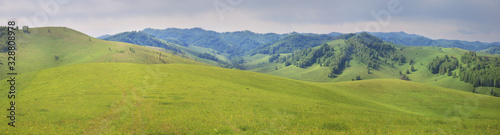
<point>237,62</point>
<point>400,59</point>
<point>473,69</point>
<point>3,39</point>
<point>274,57</point>
<point>26,29</point>
<point>208,56</point>
<point>443,65</point>
<point>404,77</point>
<point>324,55</point>
<point>480,70</point>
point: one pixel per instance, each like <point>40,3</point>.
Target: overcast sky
<point>471,20</point>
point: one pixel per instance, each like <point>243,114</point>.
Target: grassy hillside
<point>56,46</point>
<point>421,56</point>
<point>125,98</point>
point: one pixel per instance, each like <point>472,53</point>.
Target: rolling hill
<point>350,61</point>
<point>128,98</point>
<point>274,56</point>
<point>48,47</point>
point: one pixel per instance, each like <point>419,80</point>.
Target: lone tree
<point>412,68</point>
<point>407,71</point>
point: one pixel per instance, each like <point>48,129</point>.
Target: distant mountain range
<point>233,43</point>
<point>403,38</point>
<point>103,36</point>
<point>243,42</point>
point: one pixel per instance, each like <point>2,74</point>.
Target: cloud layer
<point>472,20</point>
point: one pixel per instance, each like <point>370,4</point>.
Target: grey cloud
<point>319,11</point>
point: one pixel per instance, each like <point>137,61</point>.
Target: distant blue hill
<point>103,36</point>
<point>243,42</point>
<point>403,38</point>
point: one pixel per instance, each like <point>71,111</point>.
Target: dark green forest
<point>443,65</point>
<point>208,56</point>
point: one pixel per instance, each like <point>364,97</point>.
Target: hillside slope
<point>358,59</point>
<point>56,46</point>
<point>126,98</point>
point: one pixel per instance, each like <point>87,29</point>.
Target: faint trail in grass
<point>130,102</point>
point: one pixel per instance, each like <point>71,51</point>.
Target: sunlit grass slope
<point>56,46</point>
<point>126,98</point>
<point>421,55</point>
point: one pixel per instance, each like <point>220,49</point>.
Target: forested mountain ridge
<point>140,38</point>
<point>232,43</point>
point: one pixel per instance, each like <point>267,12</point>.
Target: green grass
<point>126,98</point>
<point>38,51</point>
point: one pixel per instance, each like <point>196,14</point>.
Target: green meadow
<point>48,47</point>
<point>126,98</point>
